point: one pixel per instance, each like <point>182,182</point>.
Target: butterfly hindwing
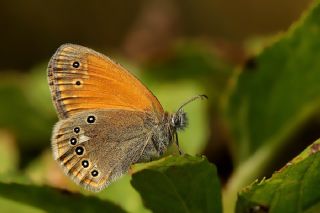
<point>94,150</point>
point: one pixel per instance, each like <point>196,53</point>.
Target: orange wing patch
<point>82,79</point>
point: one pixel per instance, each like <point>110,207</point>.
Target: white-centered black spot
<point>73,141</point>
<point>76,64</point>
<point>79,150</point>
<point>94,173</point>
<point>85,163</point>
<point>78,83</point>
<point>76,129</point>
<point>91,119</point>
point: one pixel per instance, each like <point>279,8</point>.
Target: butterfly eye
<point>91,119</point>
<point>76,64</point>
<point>79,150</point>
<point>94,173</point>
<point>73,141</point>
<point>177,122</point>
<point>76,130</point>
<point>85,163</point>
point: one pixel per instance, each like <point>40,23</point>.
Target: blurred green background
<point>179,49</point>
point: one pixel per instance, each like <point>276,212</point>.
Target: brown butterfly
<point>108,119</point>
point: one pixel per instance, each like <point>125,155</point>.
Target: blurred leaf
<point>295,188</point>
<point>26,110</point>
<point>53,200</point>
<point>179,184</point>
<point>192,60</point>
<point>278,90</point>
<point>9,155</point>
<point>273,96</point>
<point>187,60</point>
<point>116,191</point>
<point>20,113</point>
<point>276,93</point>
<point>38,92</point>
<point>8,205</point>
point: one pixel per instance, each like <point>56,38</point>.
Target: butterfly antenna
<point>202,97</point>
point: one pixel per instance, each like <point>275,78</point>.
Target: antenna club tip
<point>203,96</point>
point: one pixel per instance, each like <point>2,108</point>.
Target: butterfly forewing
<point>81,79</point>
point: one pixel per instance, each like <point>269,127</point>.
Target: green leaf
<point>53,200</point>
<point>295,188</point>
<point>25,110</point>
<point>273,96</point>
<point>278,90</point>
<point>179,184</point>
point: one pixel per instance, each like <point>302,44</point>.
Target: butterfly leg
<point>177,143</point>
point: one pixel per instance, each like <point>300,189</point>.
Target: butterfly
<point>108,120</point>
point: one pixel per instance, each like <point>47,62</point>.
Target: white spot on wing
<point>83,138</point>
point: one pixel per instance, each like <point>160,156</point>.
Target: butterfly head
<point>179,120</point>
